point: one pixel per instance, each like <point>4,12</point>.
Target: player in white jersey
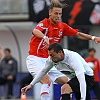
<point>72,65</point>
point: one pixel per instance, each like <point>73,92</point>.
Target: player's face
<point>55,15</point>
<point>56,57</point>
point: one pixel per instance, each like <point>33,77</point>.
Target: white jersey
<point>73,64</point>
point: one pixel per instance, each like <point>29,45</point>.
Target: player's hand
<point>45,43</point>
<point>97,40</point>
<point>26,88</point>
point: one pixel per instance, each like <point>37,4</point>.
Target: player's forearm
<point>38,33</point>
<point>38,77</point>
<point>84,36</point>
<point>81,79</point>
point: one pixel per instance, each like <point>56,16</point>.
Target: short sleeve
<point>69,31</point>
<point>41,25</point>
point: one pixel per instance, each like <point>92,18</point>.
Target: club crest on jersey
<point>40,24</point>
<point>60,33</point>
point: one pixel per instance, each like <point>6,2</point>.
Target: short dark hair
<point>56,3</point>
<point>56,47</point>
<point>91,49</point>
<point>7,49</point>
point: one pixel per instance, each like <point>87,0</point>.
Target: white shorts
<point>35,64</point>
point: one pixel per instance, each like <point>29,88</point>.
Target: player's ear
<point>50,12</point>
<point>60,51</point>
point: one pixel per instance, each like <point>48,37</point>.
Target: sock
<point>45,97</point>
<point>45,92</point>
<point>65,97</point>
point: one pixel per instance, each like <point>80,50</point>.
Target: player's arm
<point>81,79</point>
<point>39,34</point>
<point>42,73</point>
<point>38,77</point>
<point>84,36</point>
<point>77,65</point>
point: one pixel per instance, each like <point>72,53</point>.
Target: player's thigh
<point>34,65</point>
<point>74,84</point>
<point>57,76</point>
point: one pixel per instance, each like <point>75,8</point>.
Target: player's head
<point>91,52</point>
<point>56,52</point>
<point>55,11</point>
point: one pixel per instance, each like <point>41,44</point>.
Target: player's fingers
<point>23,90</point>
<point>45,47</point>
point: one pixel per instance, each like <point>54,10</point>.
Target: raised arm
<point>84,36</point>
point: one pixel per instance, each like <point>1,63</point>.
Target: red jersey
<point>55,32</point>
<point>96,69</point>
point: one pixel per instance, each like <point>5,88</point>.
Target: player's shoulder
<point>65,51</point>
<point>44,22</point>
<point>63,25</point>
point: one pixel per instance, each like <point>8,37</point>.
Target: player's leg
<point>34,65</point>
<point>58,77</point>
<point>65,92</point>
<point>73,86</point>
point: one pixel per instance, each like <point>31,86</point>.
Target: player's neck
<point>52,22</point>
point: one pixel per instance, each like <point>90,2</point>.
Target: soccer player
<point>48,31</point>
<point>96,68</point>
<point>72,65</point>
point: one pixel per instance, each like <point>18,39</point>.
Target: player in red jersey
<point>46,32</point>
<point>96,69</point>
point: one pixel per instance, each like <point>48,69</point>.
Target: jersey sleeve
<point>41,25</point>
<point>76,64</point>
<point>69,31</point>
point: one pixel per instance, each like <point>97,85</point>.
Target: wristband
<point>93,37</point>
<point>44,37</point>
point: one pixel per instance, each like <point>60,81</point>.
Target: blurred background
<point>19,17</point>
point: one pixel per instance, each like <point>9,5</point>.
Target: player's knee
<point>62,80</point>
<point>45,80</point>
<point>66,89</point>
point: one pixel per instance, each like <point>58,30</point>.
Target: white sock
<point>45,92</point>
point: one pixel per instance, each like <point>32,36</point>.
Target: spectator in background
<point>8,70</point>
<point>94,63</point>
